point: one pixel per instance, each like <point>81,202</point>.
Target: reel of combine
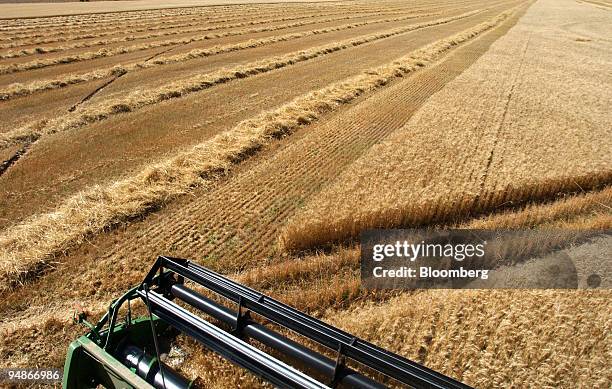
<point>126,353</point>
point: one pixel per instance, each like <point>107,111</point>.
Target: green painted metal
<point>88,365</point>
<point>89,360</point>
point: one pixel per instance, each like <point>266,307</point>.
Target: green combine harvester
<point>126,352</point>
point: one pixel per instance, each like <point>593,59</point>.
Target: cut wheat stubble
<point>36,242</point>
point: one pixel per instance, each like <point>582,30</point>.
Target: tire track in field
<point>95,91</point>
<point>6,164</point>
<point>497,135</point>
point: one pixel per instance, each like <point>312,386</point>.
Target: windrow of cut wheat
<point>34,244</point>
<point>60,34</point>
<point>57,33</point>
<point>92,21</point>
<point>19,89</point>
<point>18,41</point>
<point>450,163</point>
<point>103,53</point>
<point>122,50</point>
<point>63,34</point>
<point>151,24</point>
<point>175,89</point>
<point>166,31</point>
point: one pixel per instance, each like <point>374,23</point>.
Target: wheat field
<point>260,139</point>
<point>467,162</point>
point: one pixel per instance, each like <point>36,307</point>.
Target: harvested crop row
<point>37,64</point>
<point>60,36</point>
<point>175,89</point>
<point>109,29</point>
<point>161,32</point>
<point>55,30</point>
<point>5,69</point>
<point>452,166</point>
<point>85,22</point>
<point>173,31</point>
<point>22,90</point>
<point>30,246</point>
<point>110,16</point>
<point>133,28</point>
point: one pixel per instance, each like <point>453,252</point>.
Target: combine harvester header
<point>126,353</point>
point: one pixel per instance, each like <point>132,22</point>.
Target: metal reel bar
<point>390,364</point>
